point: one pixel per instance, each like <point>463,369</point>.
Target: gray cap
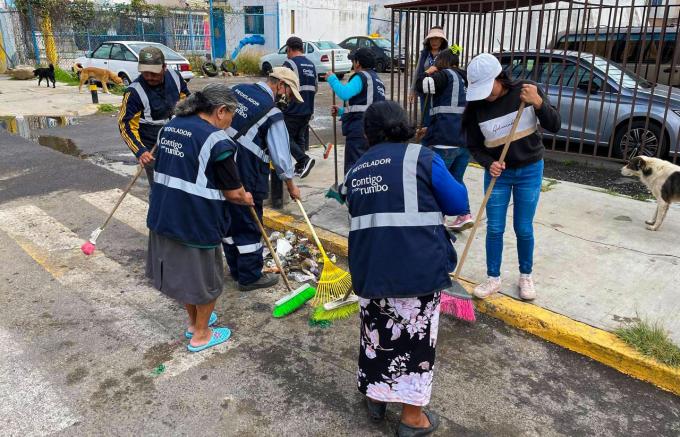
<point>151,59</point>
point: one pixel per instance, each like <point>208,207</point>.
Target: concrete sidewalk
<point>26,98</point>
<point>595,262</point>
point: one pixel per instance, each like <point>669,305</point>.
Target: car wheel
<point>266,69</point>
<point>126,80</point>
<point>380,67</point>
<point>210,69</point>
<point>639,140</point>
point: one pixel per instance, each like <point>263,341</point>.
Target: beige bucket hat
<point>289,78</point>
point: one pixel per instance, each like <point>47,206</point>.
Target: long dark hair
<point>446,59</point>
<point>386,121</point>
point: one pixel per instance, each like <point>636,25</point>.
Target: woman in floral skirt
<point>399,255</point>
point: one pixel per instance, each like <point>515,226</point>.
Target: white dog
<point>661,178</point>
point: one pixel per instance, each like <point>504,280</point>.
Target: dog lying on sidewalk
<point>661,178</point>
<point>101,75</point>
<point>46,73</point>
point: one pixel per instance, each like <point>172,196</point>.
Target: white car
<point>121,57</point>
<point>319,52</point>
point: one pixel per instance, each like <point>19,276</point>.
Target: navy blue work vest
<point>184,203</point>
<point>254,104</point>
<point>306,72</point>
<point>372,90</point>
<point>446,127</point>
<point>159,104</point>
<point>398,246</point>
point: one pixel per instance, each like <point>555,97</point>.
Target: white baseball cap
<point>481,73</point>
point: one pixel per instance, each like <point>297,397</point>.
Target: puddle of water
<point>63,145</point>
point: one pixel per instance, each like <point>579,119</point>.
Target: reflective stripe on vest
<point>454,107</point>
<point>246,248</point>
<point>311,88</point>
<point>411,216</point>
<point>145,100</point>
<point>247,139</point>
<point>369,95</point>
<point>294,67</point>
<point>200,187</point>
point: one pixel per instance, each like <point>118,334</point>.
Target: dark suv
<point>381,47</point>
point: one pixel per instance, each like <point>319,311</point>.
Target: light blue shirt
<point>278,144</point>
<point>345,92</point>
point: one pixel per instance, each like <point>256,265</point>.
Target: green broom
<point>295,299</point>
<point>337,309</point>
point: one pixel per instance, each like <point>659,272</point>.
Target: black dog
<point>45,73</point>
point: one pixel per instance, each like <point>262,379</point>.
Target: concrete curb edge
<point>598,344</point>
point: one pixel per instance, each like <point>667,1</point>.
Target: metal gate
<point>610,67</point>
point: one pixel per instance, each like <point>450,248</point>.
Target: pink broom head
<point>88,248</point>
<point>462,309</point>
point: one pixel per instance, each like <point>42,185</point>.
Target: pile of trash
<point>299,256</point>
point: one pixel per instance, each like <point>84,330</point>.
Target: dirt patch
<point>76,376</point>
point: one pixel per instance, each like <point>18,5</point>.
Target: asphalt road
<point>83,338</point>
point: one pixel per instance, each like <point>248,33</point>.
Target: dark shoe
<point>266,280</point>
<point>302,169</point>
<point>376,410</point>
<point>408,431</point>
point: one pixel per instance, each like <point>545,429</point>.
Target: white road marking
<point>132,211</point>
<point>30,405</point>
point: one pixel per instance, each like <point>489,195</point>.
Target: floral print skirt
<point>398,339</point>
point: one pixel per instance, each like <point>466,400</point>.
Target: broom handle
<point>127,190</point>
<point>271,249</point>
<point>311,228</point>
<point>316,135</point>
<point>335,127</point>
<point>489,190</point>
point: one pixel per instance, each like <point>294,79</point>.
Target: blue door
<point>219,41</point>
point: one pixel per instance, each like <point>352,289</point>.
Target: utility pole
<point>212,33</point>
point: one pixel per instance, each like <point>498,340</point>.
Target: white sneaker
<point>488,287</point>
<point>526,287</point>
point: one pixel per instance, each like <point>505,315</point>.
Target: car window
<point>519,67</point>
<point>351,43</point>
<point>365,43</point>
<point>383,43</point>
<point>282,50</point>
<point>327,45</point>
<point>310,48</point>
<point>102,52</point>
<point>170,55</point>
<point>120,53</point>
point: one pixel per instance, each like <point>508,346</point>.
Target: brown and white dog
<point>661,178</point>
<point>101,75</point>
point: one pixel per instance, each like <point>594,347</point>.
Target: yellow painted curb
<point>579,337</point>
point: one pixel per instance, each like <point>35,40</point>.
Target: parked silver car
<point>319,52</point>
<point>600,102</point>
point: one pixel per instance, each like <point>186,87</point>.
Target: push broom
<point>295,298</point>
<point>90,245</point>
<point>456,300</point>
<point>334,282</point>
<point>334,191</point>
<point>327,147</point>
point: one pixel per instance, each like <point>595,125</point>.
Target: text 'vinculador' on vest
<point>398,246</point>
<point>254,115</point>
<point>184,203</point>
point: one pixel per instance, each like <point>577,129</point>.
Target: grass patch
<point>248,62</point>
<point>66,77</point>
<point>651,340</point>
<point>196,62</point>
<point>118,90</point>
<point>107,108</point>
<point>642,197</point>
<point>570,163</point>
<point>548,184</point>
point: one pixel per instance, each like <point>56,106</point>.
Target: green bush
<point>66,77</point>
<point>651,340</point>
<point>248,62</point>
<point>107,107</point>
<point>196,62</point>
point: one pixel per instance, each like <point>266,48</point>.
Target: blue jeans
<point>524,184</point>
<point>456,160</point>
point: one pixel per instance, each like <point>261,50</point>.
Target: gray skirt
<point>187,274</point>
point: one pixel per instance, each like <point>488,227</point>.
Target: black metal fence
<point>610,67</point>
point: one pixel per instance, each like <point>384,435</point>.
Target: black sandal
<point>409,431</point>
<point>376,410</point>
